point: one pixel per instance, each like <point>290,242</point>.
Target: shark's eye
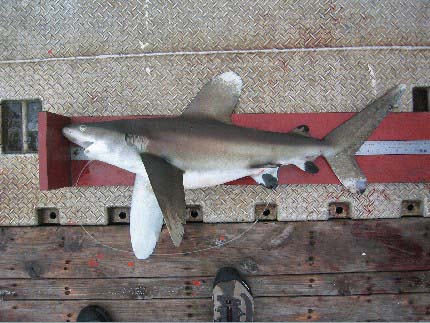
<point>83,128</point>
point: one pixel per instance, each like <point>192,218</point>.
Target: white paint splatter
<point>143,45</point>
<point>148,71</point>
<point>363,254</point>
<point>372,78</point>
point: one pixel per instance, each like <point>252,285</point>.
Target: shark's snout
<point>77,136</point>
<point>66,132</point>
<point>72,134</point>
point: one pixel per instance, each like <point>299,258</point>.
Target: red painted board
<point>54,152</point>
<point>54,160</point>
<point>378,169</point>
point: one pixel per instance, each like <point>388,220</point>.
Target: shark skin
<point>202,148</point>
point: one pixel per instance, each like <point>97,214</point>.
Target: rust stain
<point>196,283</point>
<point>284,65</point>
<point>93,263</point>
<point>398,246</point>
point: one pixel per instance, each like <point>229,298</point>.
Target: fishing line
<point>220,245</point>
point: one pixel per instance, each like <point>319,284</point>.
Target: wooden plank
<point>411,307</point>
<point>269,248</point>
<point>201,287</point>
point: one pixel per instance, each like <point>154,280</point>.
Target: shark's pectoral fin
<point>167,184</point>
<point>146,218</point>
<point>217,99</point>
<point>268,177</point>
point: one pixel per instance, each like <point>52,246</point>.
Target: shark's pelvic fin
<point>310,167</point>
<point>146,218</point>
<point>302,130</point>
<point>217,99</point>
<point>268,177</point>
<point>167,183</point>
<point>346,139</point>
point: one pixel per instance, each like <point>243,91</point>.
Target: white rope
<point>216,52</point>
<point>221,244</point>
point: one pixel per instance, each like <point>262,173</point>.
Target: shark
<point>202,148</point>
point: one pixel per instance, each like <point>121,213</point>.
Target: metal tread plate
<point>299,81</point>
<point>88,205</point>
<point>55,28</point>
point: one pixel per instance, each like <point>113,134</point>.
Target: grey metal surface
<point>297,80</point>
<point>64,28</point>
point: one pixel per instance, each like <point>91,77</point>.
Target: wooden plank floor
<point>343,270</point>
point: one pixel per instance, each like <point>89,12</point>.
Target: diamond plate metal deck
<point>58,28</point>
<point>62,41</point>
<point>329,81</point>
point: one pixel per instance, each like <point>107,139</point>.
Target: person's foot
<point>93,313</point>
<point>233,301</point>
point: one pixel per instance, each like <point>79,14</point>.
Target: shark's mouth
<point>86,144</point>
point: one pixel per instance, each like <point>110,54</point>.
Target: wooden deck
<point>340,270</point>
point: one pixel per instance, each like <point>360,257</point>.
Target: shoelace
<point>229,309</point>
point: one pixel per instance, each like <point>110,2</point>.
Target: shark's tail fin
<point>348,137</point>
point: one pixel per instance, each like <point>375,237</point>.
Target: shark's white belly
<point>192,179</point>
<point>200,179</point>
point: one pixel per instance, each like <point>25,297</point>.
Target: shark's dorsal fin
<point>217,99</point>
<point>167,183</point>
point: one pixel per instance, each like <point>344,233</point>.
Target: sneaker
<point>233,301</point>
<point>93,313</point>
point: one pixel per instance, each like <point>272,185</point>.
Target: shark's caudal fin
<point>348,137</point>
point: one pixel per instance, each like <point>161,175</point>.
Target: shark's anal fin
<point>217,99</point>
<point>268,177</point>
<point>167,184</point>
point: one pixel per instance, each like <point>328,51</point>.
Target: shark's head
<point>85,135</point>
<point>102,142</point>
<point>99,142</point>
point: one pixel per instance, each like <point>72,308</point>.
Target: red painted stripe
<point>378,169</point>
